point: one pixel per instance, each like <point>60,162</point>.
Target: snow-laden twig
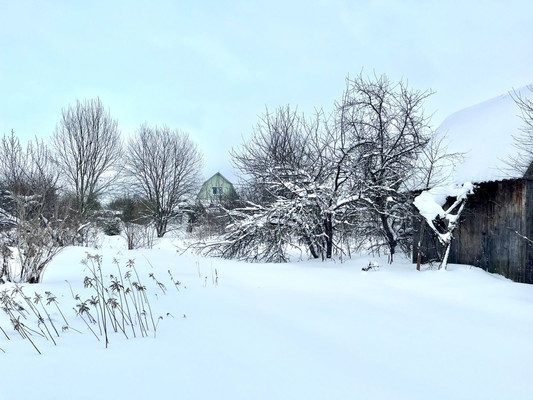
<point>443,222</point>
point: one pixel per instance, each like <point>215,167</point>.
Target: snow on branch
<point>443,222</point>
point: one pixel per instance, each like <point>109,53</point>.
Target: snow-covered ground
<point>303,330</point>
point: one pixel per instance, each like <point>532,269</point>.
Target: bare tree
<point>277,153</point>
<point>88,148</point>
<point>164,167</point>
<point>387,123</point>
<point>523,141</point>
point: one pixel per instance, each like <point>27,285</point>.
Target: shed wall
<point>492,229</point>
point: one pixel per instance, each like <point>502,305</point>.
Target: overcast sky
<point>211,67</point>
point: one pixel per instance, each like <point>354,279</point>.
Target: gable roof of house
<point>484,134</point>
<point>218,177</point>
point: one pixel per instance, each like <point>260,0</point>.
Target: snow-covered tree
<point>316,182</point>
<point>387,122</point>
<point>282,164</point>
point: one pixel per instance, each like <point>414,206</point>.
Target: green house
<point>216,189</point>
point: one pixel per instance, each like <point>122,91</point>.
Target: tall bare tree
<point>88,147</point>
<point>163,166</point>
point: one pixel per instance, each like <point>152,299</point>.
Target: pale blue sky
<point>211,67</point>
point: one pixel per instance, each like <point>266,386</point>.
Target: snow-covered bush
<point>134,221</point>
<point>138,236</point>
<point>108,221</point>
<point>33,227</point>
<point>255,235</point>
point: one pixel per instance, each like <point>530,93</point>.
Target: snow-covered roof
<point>484,135</point>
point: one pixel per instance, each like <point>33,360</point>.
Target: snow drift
<point>307,330</point>
<point>484,135</point>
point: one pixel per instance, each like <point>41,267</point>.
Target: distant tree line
<point>53,194</point>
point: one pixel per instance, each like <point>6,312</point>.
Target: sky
<point>211,68</point>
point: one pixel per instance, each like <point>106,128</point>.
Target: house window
<point>217,190</point>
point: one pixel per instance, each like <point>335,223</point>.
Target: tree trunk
<point>392,250</point>
<point>389,235</point>
<point>311,247</point>
<point>161,228</point>
<point>444,263</point>
<point>421,238</point>
<point>328,229</point>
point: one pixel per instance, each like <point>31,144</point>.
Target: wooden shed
<point>496,227</point>
<point>495,231</point>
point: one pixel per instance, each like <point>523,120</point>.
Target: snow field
<point>303,330</point>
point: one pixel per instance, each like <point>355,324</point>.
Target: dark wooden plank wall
<point>489,235</point>
<point>528,268</point>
